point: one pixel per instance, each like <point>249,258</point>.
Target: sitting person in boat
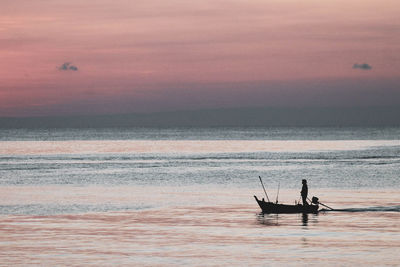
<point>304,192</point>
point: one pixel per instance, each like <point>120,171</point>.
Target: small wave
<point>369,209</point>
<point>58,209</point>
<point>379,157</point>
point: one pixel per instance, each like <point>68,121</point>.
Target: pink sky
<point>154,55</point>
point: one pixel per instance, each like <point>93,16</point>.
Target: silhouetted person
<point>304,192</point>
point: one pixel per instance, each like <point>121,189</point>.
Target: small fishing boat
<point>270,207</point>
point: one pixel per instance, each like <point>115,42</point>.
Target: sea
<point>185,196</point>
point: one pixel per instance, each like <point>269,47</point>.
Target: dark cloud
<point>68,66</point>
<point>363,66</point>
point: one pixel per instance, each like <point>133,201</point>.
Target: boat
<point>270,207</point>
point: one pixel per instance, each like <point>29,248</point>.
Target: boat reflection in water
<point>287,219</point>
<point>304,217</point>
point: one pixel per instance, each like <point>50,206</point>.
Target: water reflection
<point>287,219</point>
<point>268,219</point>
<point>305,219</point>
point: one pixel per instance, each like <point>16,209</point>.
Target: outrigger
<point>271,207</point>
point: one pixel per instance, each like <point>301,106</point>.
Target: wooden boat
<point>270,207</point>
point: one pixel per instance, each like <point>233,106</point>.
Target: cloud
<point>363,66</point>
<point>68,66</point>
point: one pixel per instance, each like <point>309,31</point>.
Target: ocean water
<point>184,196</point>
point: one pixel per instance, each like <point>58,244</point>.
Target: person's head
<point>304,181</point>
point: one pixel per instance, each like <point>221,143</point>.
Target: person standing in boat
<point>304,192</point>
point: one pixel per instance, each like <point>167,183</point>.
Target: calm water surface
<point>165,197</point>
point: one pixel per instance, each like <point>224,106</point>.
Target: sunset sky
<point>121,56</point>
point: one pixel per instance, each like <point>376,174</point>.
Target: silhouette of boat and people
<point>306,207</point>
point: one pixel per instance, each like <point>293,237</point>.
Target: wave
<point>395,208</point>
<point>57,209</point>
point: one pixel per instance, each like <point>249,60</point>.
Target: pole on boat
<point>277,194</point>
<point>264,188</point>
<point>325,205</point>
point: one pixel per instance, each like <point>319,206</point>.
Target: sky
<point>121,56</point>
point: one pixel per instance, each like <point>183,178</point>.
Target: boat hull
<point>270,207</point>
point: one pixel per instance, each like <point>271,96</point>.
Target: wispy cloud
<point>363,66</point>
<point>68,66</point>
